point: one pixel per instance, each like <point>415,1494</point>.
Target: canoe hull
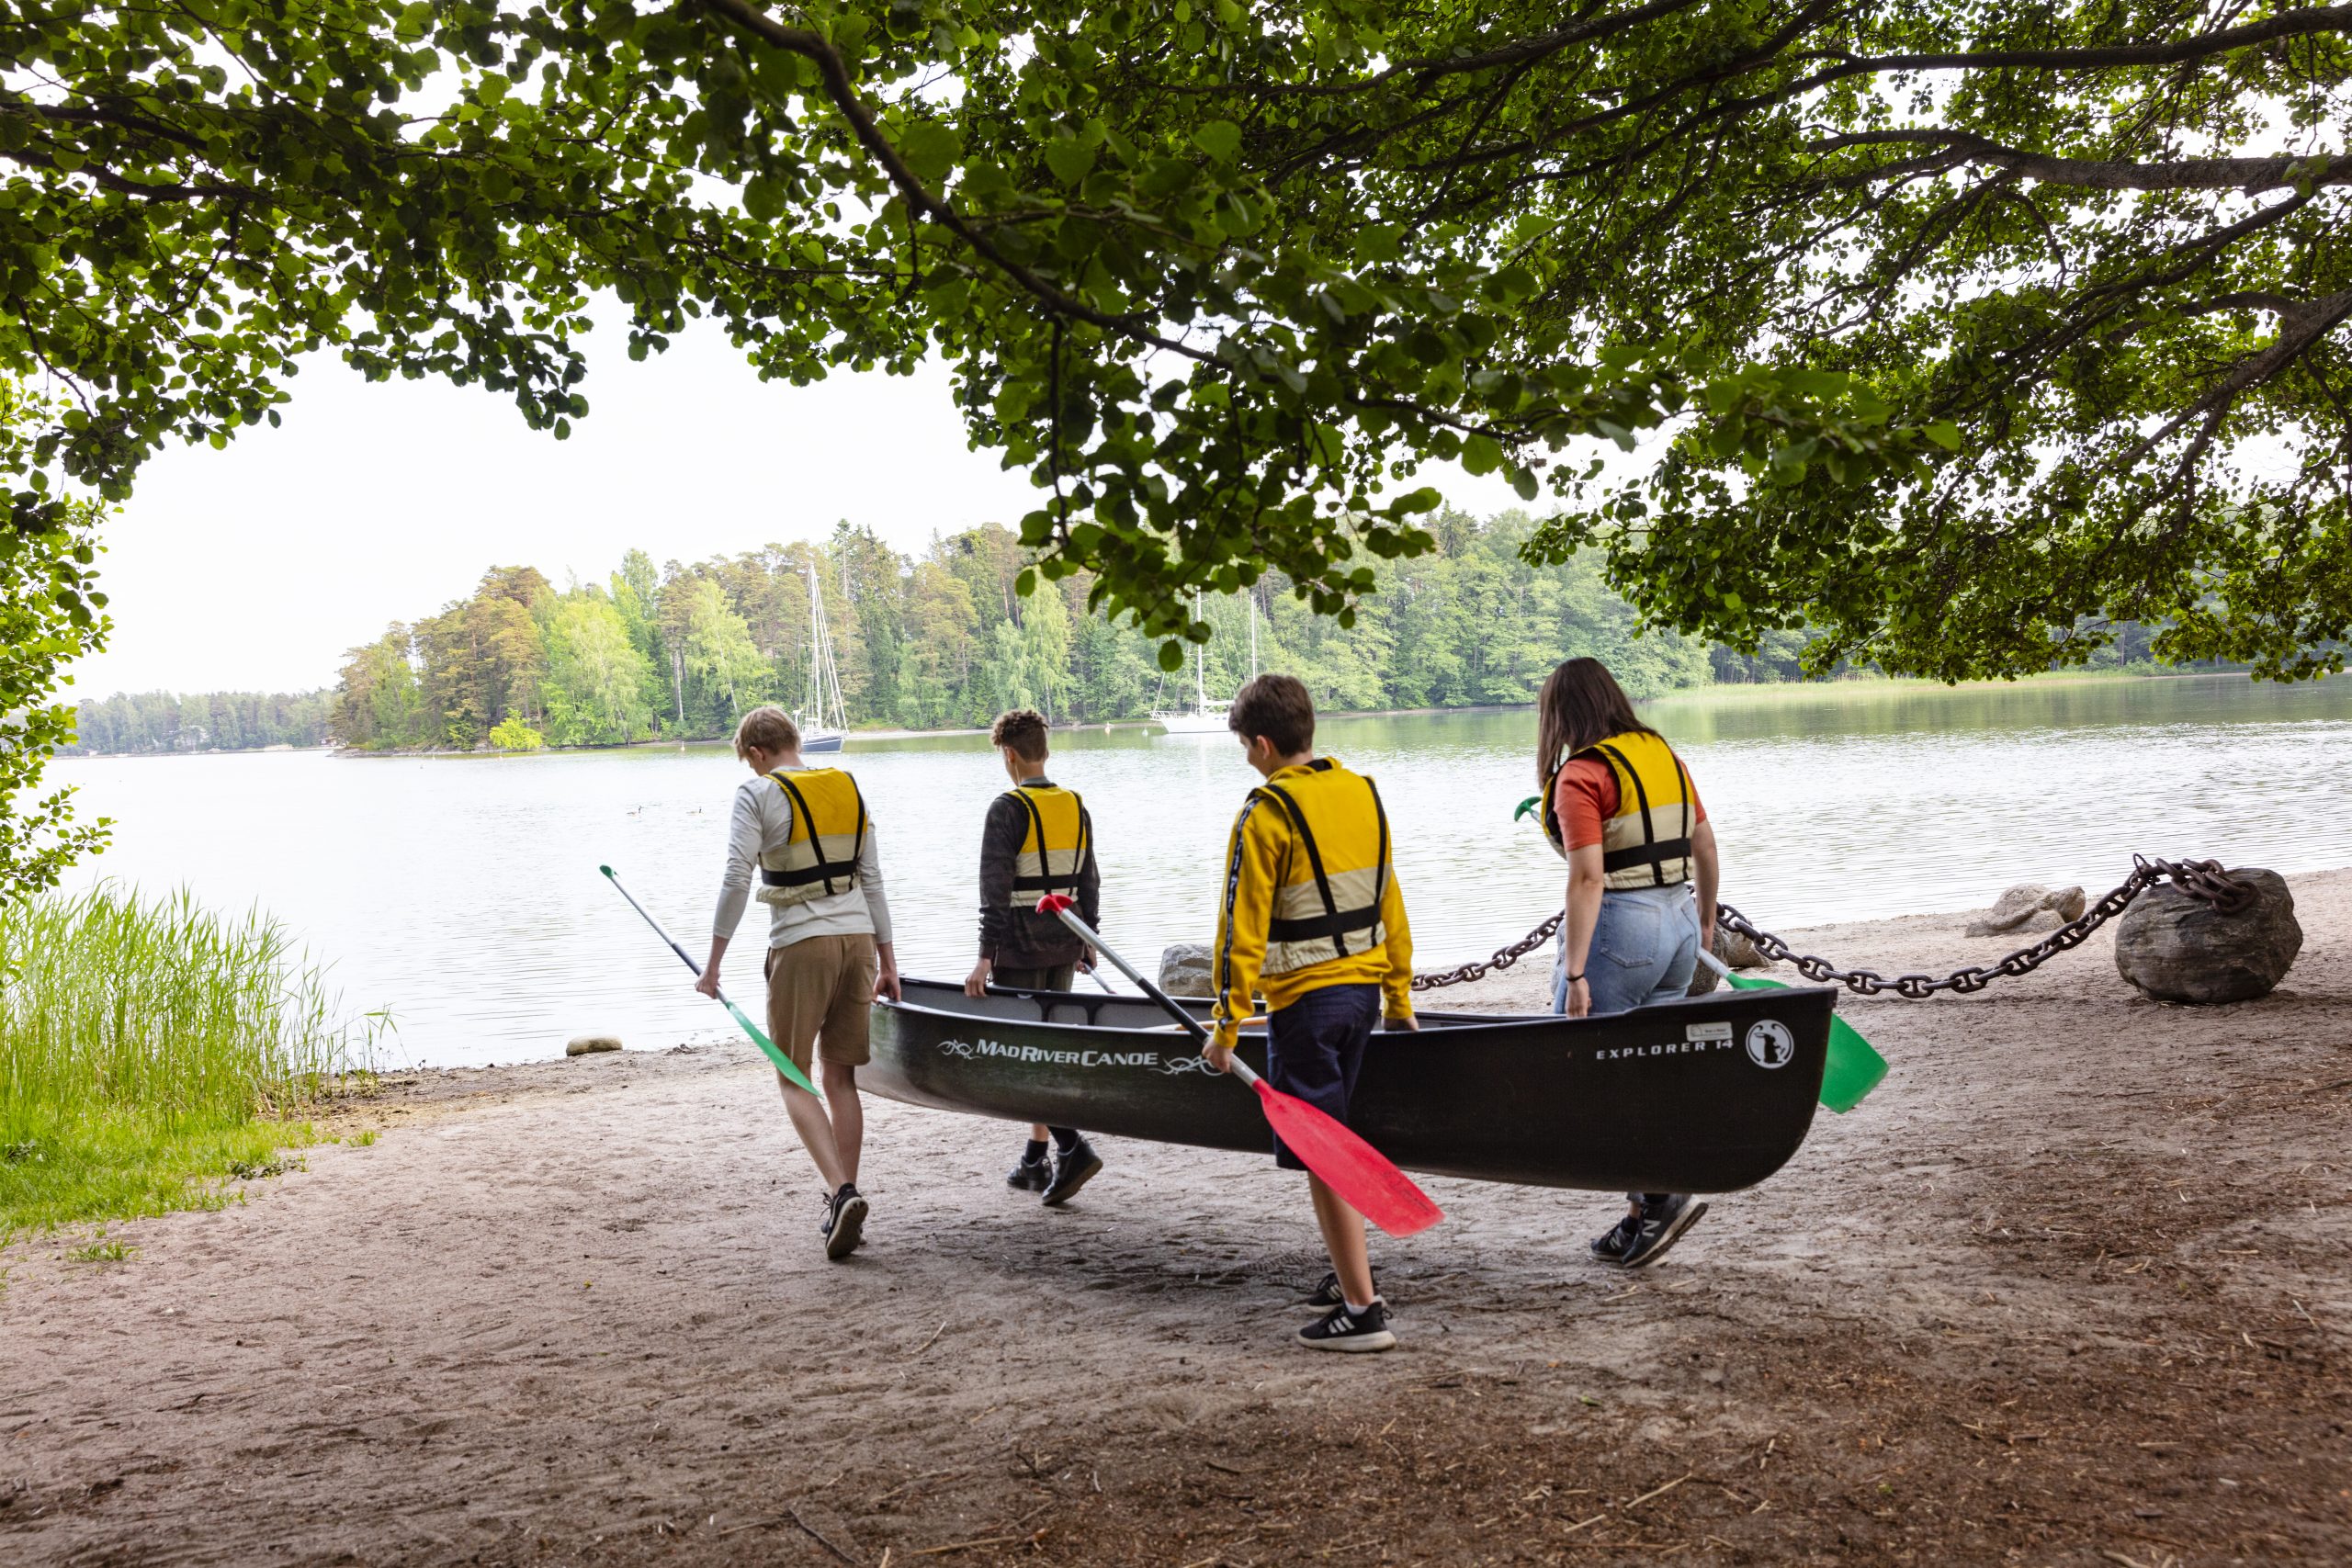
<point>1706,1095</point>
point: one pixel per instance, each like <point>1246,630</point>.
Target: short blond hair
<point>770,728</point>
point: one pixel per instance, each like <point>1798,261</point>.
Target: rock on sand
<point>2179,949</point>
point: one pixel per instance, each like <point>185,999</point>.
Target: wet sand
<point>2072,1287</point>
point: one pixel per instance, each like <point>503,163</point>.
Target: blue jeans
<point>1644,947</point>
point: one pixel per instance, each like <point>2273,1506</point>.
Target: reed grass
<point>148,1048</point>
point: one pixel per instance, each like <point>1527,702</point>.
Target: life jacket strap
<point>1045,881</point>
<point>824,871</point>
<point>1333,924</point>
<point>1654,855</point>
<point>1652,852</point>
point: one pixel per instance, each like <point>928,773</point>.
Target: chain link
<point>2203,880</point>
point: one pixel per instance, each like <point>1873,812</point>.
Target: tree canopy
<point>1966,330</point>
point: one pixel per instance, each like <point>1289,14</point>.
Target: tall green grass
<point>149,1049</point>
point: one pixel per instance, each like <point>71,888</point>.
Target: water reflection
<point>463,893</point>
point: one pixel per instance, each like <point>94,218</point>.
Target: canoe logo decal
<point>1770,1044</point>
<point>974,1050</point>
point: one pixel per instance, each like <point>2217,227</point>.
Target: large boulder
<point>2179,949</point>
<point>1736,951</point>
<point>1186,969</point>
<point>2029,907</point>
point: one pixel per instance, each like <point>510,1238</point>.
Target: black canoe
<point>1705,1095</point>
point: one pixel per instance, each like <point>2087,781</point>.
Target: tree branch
<point>105,178</point>
<point>2248,175</point>
<point>2175,51</point>
<point>843,93</point>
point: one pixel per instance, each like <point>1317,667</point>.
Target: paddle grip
<point>1722,969</point>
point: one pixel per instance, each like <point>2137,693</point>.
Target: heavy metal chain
<point>2203,880</point>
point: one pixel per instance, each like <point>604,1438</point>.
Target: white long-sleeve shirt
<point>762,820</point>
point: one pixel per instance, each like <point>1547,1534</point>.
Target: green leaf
<point>1070,160</point>
<point>1220,139</point>
<point>930,149</point>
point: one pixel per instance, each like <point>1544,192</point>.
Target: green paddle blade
<point>784,1063</point>
<point>1529,804</point>
<point>1854,1068</point>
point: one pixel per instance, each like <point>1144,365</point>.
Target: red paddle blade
<point>1350,1167</point>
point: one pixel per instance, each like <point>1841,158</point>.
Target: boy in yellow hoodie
<point>1312,915</point>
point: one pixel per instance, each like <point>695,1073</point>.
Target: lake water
<point>463,893</point>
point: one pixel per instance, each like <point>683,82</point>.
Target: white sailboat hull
<point>821,740</point>
<point>1191,723</point>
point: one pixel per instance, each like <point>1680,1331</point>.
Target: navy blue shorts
<point>1314,1048</point>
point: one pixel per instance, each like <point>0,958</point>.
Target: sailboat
<point>1202,717</point>
<point>824,721</point>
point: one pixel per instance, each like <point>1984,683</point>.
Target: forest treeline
<point>942,640</point>
<point>937,640</point>
<point>137,723</point>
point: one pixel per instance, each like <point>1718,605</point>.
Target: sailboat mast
<point>1200,664</point>
<point>815,705</point>
<point>1254,635</point>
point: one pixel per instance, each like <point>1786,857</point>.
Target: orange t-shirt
<point>1586,796</point>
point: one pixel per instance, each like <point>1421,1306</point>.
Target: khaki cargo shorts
<point>820,997</point>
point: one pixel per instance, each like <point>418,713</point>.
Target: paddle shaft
<point>1192,1026</point>
<point>784,1063</point>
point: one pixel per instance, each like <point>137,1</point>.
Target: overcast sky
<point>255,567</point>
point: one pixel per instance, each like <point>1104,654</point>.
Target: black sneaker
<point>844,1223</point>
<point>1329,1295</point>
<point>1073,1169</point>
<point>1610,1245</point>
<point>1660,1226</point>
<point>1031,1175</point>
<point>1342,1328</point>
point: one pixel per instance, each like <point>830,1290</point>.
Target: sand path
<point>2071,1288</point>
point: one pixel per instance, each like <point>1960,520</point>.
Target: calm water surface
<point>463,893</point>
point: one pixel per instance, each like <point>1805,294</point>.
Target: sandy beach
<point>2072,1287</point>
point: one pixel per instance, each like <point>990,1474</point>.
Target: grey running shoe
<point>1661,1225</point>
<point>1610,1245</point>
<point>1344,1329</point>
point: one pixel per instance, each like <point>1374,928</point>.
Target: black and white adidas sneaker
<point>1344,1329</point>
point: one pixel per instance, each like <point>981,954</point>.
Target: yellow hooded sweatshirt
<point>1310,897</point>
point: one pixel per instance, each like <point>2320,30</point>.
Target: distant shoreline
<point>1776,690</point>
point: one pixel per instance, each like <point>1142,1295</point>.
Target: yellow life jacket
<point>1329,907</point>
<point>1647,843</point>
<point>827,836</point>
<point>1056,847</point>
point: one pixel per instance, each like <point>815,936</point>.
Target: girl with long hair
<point>1620,806</point>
